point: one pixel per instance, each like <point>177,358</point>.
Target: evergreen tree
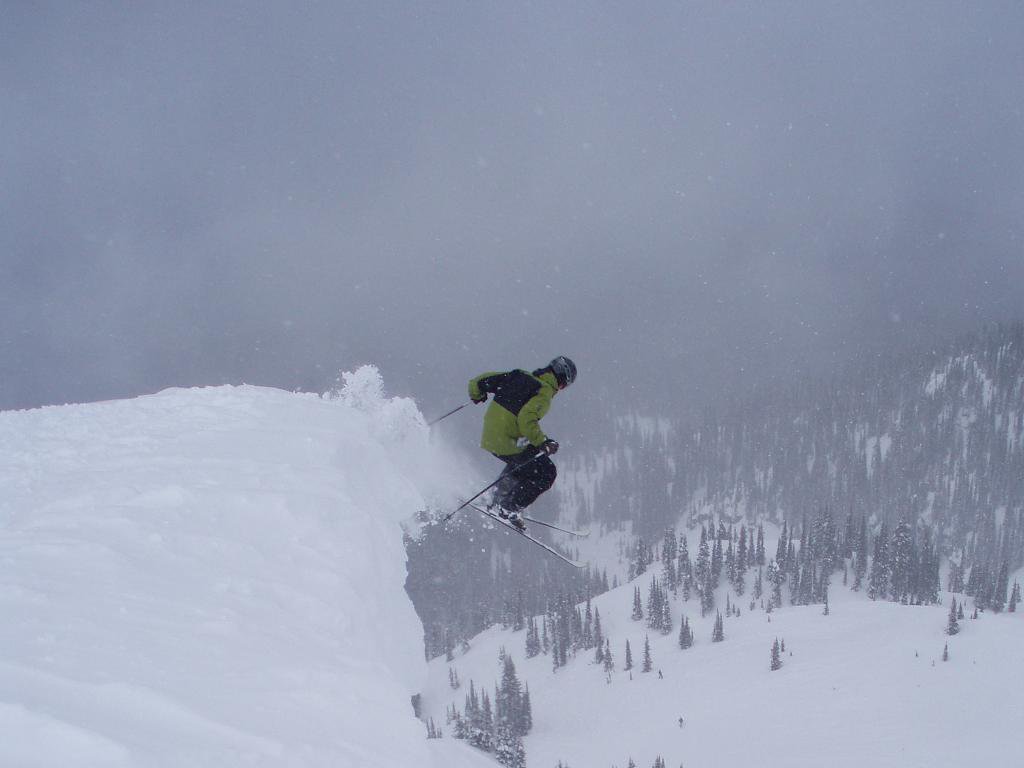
<point>640,560</point>
<point>629,658</point>
<point>508,700</point>
<point>609,662</point>
<point>508,748</point>
<point>776,660</point>
<point>740,576</point>
<point>598,634</point>
<point>1000,588</point>
<point>1014,598</point>
<point>647,655</point>
<point>654,611</point>
<point>878,581</point>
<point>526,712</point>
<point>638,611</point>
<point>685,634</point>
<point>718,635</point>
<point>666,616</point>
<point>685,568</point>
<point>588,627</point>
<point>669,575</point>
<point>532,639</point>
<point>485,734</point>
<point>860,555</point>
<point>901,559</point>
<point>945,652</point>
<point>703,576</point>
<point>717,560</point>
<point>775,578</point>
<point>952,626</point>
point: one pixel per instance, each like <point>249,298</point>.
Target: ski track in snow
<point>215,577</point>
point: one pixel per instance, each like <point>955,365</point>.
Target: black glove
<point>549,447</point>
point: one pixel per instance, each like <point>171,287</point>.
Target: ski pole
<point>469,501</point>
<point>453,410</point>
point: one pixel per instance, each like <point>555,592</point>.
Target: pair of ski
<point>502,521</point>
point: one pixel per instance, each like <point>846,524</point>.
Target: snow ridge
<point>214,577</point>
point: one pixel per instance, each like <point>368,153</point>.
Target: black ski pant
<point>525,477</point>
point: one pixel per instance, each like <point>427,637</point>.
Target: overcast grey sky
<point>682,195</point>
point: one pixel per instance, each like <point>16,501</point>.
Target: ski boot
<point>513,517</point>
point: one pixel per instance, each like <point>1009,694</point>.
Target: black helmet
<point>564,370</point>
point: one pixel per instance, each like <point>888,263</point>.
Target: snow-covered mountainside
<point>214,577</point>
<point>865,685</point>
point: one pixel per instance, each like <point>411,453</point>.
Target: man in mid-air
<point>512,431</point>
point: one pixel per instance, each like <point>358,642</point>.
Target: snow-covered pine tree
<point>508,748</point>
<point>775,578</point>
<point>640,560</point>
<point>717,561</point>
<point>647,663</point>
<point>609,662</point>
<point>685,634</point>
<point>629,658</point>
<point>508,700</point>
<point>729,564</point>
<point>654,611</point>
<point>901,562</point>
<point>1000,587</point>
<point>776,658</point>
<point>485,734</point>
<point>703,575</point>
<point>588,627</point>
<point>526,711</point>
<point>952,626</point>
<point>666,616</point>
<point>638,610</point>
<point>742,561</point>
<point>669,574</point>
<point>860,555</point>
<point>878,579</point>
<point>532,639</point>
<point>718,634</point>
<point>684,570</point>
<point>1014,598</point>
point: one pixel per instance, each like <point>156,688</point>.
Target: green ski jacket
<point>520,402</point>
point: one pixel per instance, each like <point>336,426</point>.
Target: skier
<point>512,431</point>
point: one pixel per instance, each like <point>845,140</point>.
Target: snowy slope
<point>864,686</point>
<point>214,578</point>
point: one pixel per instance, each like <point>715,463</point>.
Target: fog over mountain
<point>687,198</point>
